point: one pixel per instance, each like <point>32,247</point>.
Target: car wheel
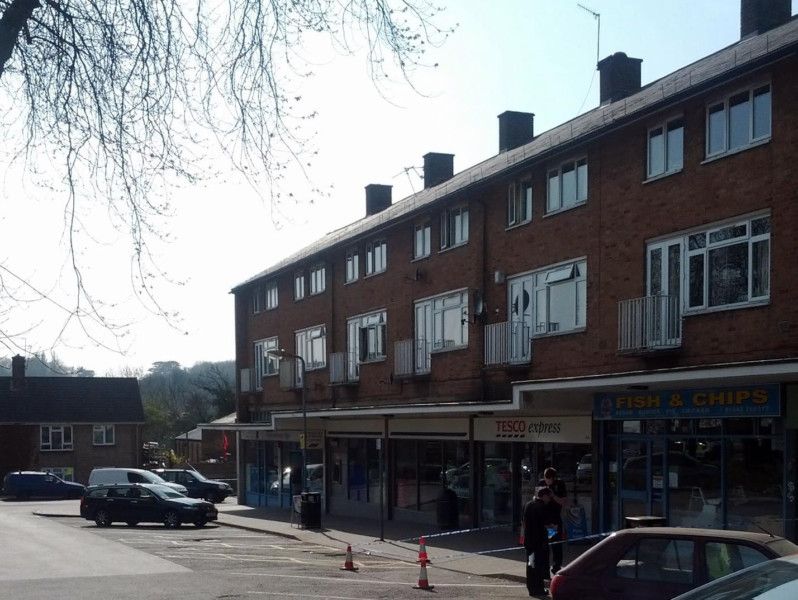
<point>171,519</point>
<point>200,522</point>
<point>132,523</point>
<point>102,518</point>
<point>219,498</point>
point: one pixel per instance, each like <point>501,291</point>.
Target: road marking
<point>305,595</point>
<point>379,581</point>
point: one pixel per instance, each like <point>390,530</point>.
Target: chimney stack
<point>515,129</point>
<point>378,198</point>
<point>17,372</point>
<point>759,16</point>
<point>437,168</point>
<point>620,77</point>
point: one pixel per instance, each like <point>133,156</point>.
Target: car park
<point>39,484</point>
<point>111,475</point>
<point>775,579</point>
<point>143,503</point>
<point>659,563</point>
<point>197,484</point>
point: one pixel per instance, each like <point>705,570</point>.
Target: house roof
<point>711,70</point>
<point>71,400</point>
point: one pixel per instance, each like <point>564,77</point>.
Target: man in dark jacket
<point>536,542</point>
<point>558,500</point>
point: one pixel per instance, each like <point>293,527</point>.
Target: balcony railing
<point>411,357</point>
<point>344,368</point>
<point>507,343</point>
<point>649,324</point>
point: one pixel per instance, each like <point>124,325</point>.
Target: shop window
<point>406,475</point>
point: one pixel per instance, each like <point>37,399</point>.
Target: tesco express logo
<point>522,427</point>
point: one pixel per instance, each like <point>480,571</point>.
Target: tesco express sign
<point>574,430</point>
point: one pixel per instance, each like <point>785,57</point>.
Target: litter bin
<point>448,513</point>
<point>310,510</point>
<point>645,521</point>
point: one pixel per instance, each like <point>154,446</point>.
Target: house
<point>619,292</point>
<point>210,443</point>
<point>68,425</point>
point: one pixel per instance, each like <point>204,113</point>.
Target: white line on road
<point>378,581</point>
<point>306,595</point>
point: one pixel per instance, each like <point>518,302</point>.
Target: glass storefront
<point>273,470</point>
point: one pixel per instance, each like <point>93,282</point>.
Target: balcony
<point>411,358</point>
<point>508,343</point>
<point>344,369</point>
<point>649,325</point>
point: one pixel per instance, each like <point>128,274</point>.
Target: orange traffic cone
<point>422,552</point>
<point>423,582</point>
<point>348,564</point>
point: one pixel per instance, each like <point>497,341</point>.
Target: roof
<point>71,400</point>
<point>739,57</point>
<point>194,435</point>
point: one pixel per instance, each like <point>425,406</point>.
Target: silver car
<point>775,579</point>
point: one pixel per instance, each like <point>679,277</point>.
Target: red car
<point>659,563</point>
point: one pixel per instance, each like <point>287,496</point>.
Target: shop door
<point>641,478</point>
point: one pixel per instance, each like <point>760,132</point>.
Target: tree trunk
<point>13,20</point>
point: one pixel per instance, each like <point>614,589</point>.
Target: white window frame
<point>265,364</point>
<point>299,285</point>
<point>352,265</point>
<point>724,107</point>
<point>669,163</point>
<point>454,227</point>
<point>100,435</point>
<point>433,317</point>
<point>519,202</point>
<point>376,257</point>
<point>318,279</point>
<point>546,281</point>
<point>272,297</point>
<point>258,299</point>
<point>64,430</point>
<point>555,200</point>
<point>311,345</point>
<point>422,240</point>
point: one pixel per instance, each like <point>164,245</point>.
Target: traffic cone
<point>422,552</point>
<point>348,564</point>
<point>423,582</point>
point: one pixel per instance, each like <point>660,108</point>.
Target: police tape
<point>431,536</point>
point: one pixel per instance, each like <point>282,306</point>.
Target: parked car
<point>30,484</point>
<point>315,480</point>
<point>197,484</point>
<point>775,579</point>
<point>136,503</point>
<point>584,469</point>
<point>659,563</point>
<point>111,475</point>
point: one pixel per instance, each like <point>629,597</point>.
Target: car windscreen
<point>198,475</point>
<point>153,478</point>
<point>165,492</point>
<point>772,580</point>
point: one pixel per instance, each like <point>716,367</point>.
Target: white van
<point>111,475</point>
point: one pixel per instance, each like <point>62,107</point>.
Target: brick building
<point>68,425</point>
<point>615,297</point>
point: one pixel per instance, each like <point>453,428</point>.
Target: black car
<point>143,503</point>
<point>197,484</point>
<point>29,484</point>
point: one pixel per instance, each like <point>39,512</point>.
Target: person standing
<point>558,500</point>
<point>536,541</point>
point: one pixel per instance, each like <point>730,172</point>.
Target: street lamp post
<point>283,353</point>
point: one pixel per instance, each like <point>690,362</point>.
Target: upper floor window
<point>376,257</point>
<point>318,279</point>
<point>442,322</point>
<point>265,363</point>
<point>519,203</point>
<point>559,298</point>
<point>366,336</point>
<point>271,295</point>
<point>666,148</point>
<point>103,435</point>
<point>454,227</point>
<point>56,437</point>
<point>258,299</point>
<point>311,345</point>
<point>352,265</point>
<point>567,185</point>
<point>738,121</point>
<point>422,240</point>
<point>299,285</point>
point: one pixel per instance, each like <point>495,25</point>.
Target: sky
<point>526,55</point>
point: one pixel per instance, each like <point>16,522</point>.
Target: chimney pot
<point>438,167</point>
<point>378,198</point>
<point>759,16</point>
<point>515,129</point>
<point>620,77</point>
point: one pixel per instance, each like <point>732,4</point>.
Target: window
<point>658,560</point>
<point>724,558</point>
<point>299,285</point>
<point>318,279</point>
<point>65,473</point>
<point>567,185</point>
<point>666,148</point>
<point>258,299</point>
<point>552,300</point>
<point>727,265</point>
<point>366,335</point>
<point>738,121</point>
<point>519,203</point>
<point>56,437</point>
<point>454,227</point>
<point>311,344</point>
<point>271,295</point>
<point>103,435</point>
<point>376,257</point>
<point>442,322</point>
<point>422,244</point>
<point>265,364</point>
<point>352,265</point>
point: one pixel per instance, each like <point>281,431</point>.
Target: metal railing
<point>411,357</point>
<point>649,323</point>
<point>344,368</point>
<point>508,342</point>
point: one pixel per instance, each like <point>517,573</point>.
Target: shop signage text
<point>533,429</point>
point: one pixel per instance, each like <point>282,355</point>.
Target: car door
<point>192,484</point>
<point>117,503</point>
<point>143,506</point>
